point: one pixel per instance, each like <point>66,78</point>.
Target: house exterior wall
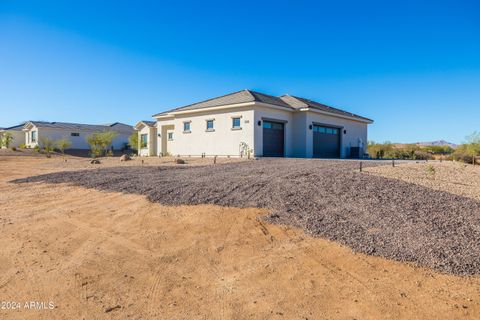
<point>78,142</point>
<point>151,148</point>
<point>264,113</point>
<point>355,131</point>
<point>222,141</point>
<point>18,137</point>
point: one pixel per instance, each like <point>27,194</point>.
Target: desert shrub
<point>63,144</point>
<point>470,149</point>
<point>5,139</point>
<point>14,149</point>
<point>133,141</point>
<point>100,142</point>
<point>23,146</point>
<point>48,145</point>
<point>37,148</point>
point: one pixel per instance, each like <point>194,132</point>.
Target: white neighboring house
<point>17,135</point>
<point>77,133</point>
<point>285,126</point>
<point>147,138</point>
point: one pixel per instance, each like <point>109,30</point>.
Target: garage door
<point>326,142</point>
<point>273,139</point>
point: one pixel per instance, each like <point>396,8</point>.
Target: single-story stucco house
<point>249,121</point>
<point>18,137</point>
<point>77,133</point>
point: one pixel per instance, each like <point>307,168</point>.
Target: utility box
<point>356,153</point>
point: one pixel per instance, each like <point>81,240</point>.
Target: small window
<point>34,136</point>
<point>75,134</point>
<point>170,136</point>
<point>334,131</point>
<point>186,126</point>
<point>329,131</point>
<point>236,123</point>
<point>210,125</point>
<point>143,140</point>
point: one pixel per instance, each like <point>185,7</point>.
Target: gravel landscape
<point>331,199</point>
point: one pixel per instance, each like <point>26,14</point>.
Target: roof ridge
<point>330,107</point>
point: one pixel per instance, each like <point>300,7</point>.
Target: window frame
<point>212,121</point>
<point>189,123</point>
<point>143,144</point>
<point>74,134</point>
<point>239,127</point>
<point>170,136</point>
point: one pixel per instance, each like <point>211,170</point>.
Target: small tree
<point>5,139</point>
<point>63,144</point>
<point>94,141</point>
<point>133,141</point>
<point>47,145</point>
<point>100,142</point>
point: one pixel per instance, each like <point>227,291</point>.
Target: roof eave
<point>364,120</point>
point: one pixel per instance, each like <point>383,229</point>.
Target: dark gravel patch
<point>330,199</point>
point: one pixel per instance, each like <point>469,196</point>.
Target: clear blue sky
<point>412,66</point>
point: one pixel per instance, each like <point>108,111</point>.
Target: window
<point>210,125</point>
<point>143,140</point>
<point>75,134</point>
<point>186,126</point>
<point>326,130</point>
<point>236,123</point>
<point>170,136</point>
<point>34,136</point>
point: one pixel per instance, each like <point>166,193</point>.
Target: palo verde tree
<point>133,141</point>
<point>100,142</point>
<point>5,139</point>
<point>63,144</point>
<point>48,145</point>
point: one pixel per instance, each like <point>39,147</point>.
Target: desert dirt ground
<point>108,255</point>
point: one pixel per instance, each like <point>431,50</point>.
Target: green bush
<point>100,142</point>
<point>133,141</point>
<point>470,149</point>
<point>63,144</point>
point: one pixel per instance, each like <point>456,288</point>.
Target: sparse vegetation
<point>48,145</point>
<point>133,141</point>
<point>5,139</point>
<point>469,150</point>
<point>100,142</point>
<point>63,144</point>
<point>388,150</point>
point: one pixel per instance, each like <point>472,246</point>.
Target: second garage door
<point>273,139</point>
<point>326,142</point>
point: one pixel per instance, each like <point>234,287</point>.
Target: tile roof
<point>117,126</point>
<point>299,103</point>
<point>243,96</point>
<point>17,127</point>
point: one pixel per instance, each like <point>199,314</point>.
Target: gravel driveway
<point>330,199</point>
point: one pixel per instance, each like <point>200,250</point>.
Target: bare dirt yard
<point>98,253</point>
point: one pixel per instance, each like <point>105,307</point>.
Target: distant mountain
<point>437,143</point>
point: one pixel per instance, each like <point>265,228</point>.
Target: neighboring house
<point>285,126</point>
<point>147,138</point>
<point>77,133</point>
<point>17,135</point>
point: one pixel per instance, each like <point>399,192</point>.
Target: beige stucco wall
<point>223,141</point>
<point>151,148</point>
<point>18,137</point>
<point>79,142</point>
<point>262,113</point>
<point>356,131</point>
